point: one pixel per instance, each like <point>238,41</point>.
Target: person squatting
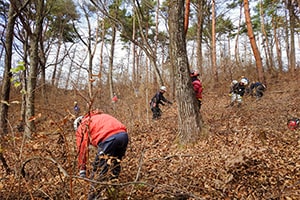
<point>257,89</point>
<point>237,91</point>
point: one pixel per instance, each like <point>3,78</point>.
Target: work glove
<point>230,94</point>
<point>82,173</point>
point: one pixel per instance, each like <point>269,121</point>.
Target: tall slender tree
<point>34,36</point>
<point>292,25</point>
<point>200,20</point>
<point>90,43</point>
<point>111,60</point>
<point>5,90</point>
<point>213,43</point>
<point>257,56</point>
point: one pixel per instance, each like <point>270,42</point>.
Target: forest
<point>58,52</point>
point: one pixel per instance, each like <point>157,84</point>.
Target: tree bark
<point>291,55</point>
<point>54,73</point>
<point>24,82</point>
<point>199,35</point>
<point>186,17</point>
<point>259,65</point>
<point>278,46</point>
<point>42,61</point>
<point>5,90</point>
<point>111,62</point>
<point>91,50</point>
<point>189,117</point>
<point>34,63</point>
<point>236,48</point>
<point>213,45</point>
<point>266,43</point>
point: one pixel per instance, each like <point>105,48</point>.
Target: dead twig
<point>61,169</point>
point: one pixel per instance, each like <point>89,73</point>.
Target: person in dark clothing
<point>76,109</point>
<point>257,89</point>
<point>157,99</point>
<point>237,92</point>
<point>197,86</point>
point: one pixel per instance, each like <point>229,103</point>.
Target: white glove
<point>82,173</point>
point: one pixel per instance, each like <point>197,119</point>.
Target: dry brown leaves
<point>248,153</point>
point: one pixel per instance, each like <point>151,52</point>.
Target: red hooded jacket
<point>95,128</point>
<point>197,87</point>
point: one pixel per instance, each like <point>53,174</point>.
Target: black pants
<point>110,153</point>
<point>199,103</point>
<point>259,92</point>
<point>156,112</point>
<point>107,162</point>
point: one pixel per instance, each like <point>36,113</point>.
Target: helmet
<point>77,122</point>
<point>234,82</point>
<point>163,88</point>
<point>293,123</point>
<point>75,102</point>
<point>194,73</point>
<point>244,81</point>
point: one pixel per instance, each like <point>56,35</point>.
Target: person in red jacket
<point>197,85</point>
<point>110,137</point>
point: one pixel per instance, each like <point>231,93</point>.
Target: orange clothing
<point>95,128</point>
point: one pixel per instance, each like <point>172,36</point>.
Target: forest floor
<point>246,153</point>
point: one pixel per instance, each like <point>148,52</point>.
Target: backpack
<point>153,101</point>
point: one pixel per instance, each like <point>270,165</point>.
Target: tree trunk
<point>259,65</point>
<point>53,81</point>
<point>34,62</point>
<point>291,55</point>
<point>111,62</point>
<point>278,47</point>
<point>189,117</point>
<point>213,45</point>
<point>42,60</point>
<point>102,38</point>
<point>91,57</point>
<point>24,83</point>
<point>70,70</point>
<point>88,44</point>
<point>266,43</point>
<point>236,48</point>
<point>199,35</point>
<point>186,17</point>
<point>286,37</point>
<point>5,90</point>
<point>145,46</point>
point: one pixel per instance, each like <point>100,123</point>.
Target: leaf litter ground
<point>247,153</point>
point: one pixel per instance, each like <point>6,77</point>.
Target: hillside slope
<point>246,153</point>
